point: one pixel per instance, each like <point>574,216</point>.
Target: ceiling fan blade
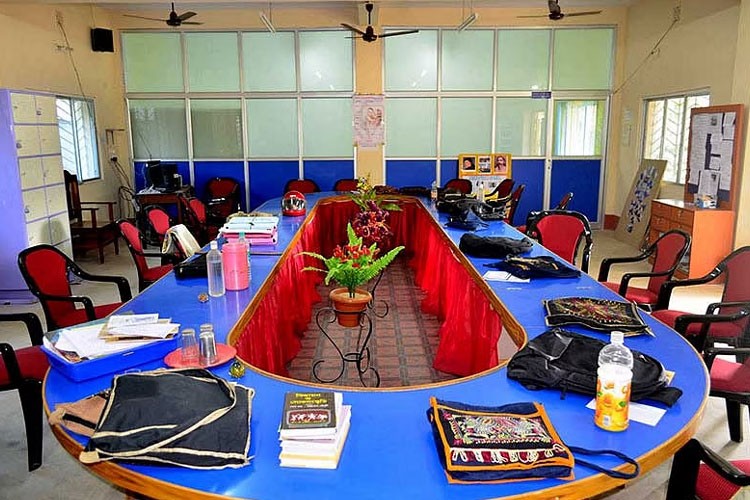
<point>191,22</point>
<point>186,16</point>
<point>535,17</point>
<point>397,33</point>
<point>353,28</point>
<point>586,13</point>
<point>141,17</point>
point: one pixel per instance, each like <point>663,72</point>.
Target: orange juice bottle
<point>613,384</point>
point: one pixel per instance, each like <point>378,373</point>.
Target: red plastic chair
<point>667,252</point>
<point>23,370</point>
<point>222,198</point>
<point>730,380</point>
<point>562,205</point>
<point>561,232</point>
<point>304,186</point>
<point>502,190</point>
<point>700,473</point>
<point>197,220</point>
<point>45,269</point>
<point>515,198</point>
<point>146,275</point>
<point>461,185</point>
<point>159,221</point>
<point>346,185</point>
<point>726,320</point>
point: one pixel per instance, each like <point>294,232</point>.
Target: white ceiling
<point>219,4</point>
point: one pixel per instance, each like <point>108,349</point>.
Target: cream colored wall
<point>699,53</point>
<point>30,60</point>
<point>741,94</point>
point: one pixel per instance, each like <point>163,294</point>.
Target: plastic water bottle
<point>243,241</point>
<point>215,272</point>
<point>480,191</point>
<point>613,384</point>
<point>434,192</point>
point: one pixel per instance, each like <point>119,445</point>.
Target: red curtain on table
<point>470,326</point>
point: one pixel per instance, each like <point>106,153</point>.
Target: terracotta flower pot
<point>348,308</point>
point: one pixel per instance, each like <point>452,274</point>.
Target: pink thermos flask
<point>234,261</point>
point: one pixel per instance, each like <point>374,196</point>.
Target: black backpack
<point>565,360</point>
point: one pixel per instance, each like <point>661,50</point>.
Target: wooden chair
<point>727,320</point>
<point>667,252</point>
<point>146,275</point>
<point>562,232</point>
<point>700,473</point>
<point>304,186</point>
<point>463,186</point>
<point>94,232</point>
<point>346,185</point>
<point>45,269</point>
<point>23,370</point>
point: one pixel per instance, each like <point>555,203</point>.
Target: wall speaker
<point>102,40</point>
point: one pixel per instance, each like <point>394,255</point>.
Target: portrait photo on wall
<point>501,164</point>
<point>468,163</point>
<point>485,164</point>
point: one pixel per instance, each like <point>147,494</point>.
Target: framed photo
<point>484,163</point>
<point>501,164</point>
<point>467,163</point>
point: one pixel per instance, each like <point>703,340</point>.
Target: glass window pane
<point>153,62</point>
<point>68,148</point>
<point>578,128</point>
<point>325,59</point>
<point>217,128</point>
<point>654,130</point>
<point>85,124</point>
<point>213,62</point>
<point>268,61</point>
<point>159,129</point>
<point>467,59</point>
<point>327,128</point>
<point>521,126</point>
<point>411,61</point>
<point>272,128</point>
<point>582,59</point>
<point>523,59</point>
<point>466,126</point>
<point>411,127</point>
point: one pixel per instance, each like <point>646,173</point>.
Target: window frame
<point>91,104</point>
<point>684,127</point>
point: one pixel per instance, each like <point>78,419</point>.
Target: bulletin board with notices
<point>713,156</point>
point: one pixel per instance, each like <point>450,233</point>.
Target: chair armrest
<point>169,257</point>
<point>665,292</point>
<point>33,325</point>
<point>11,364</point>
<point>625,281</point>
<point>88,305</point>
<point>711,309</point>
<point>108,203</point>
<point>684,474</point>
<point>608,262</point>
<point>710,354</point>
<point>122,284</point>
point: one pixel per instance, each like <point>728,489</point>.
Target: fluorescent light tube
<point>468,21</point>
<point>267,22</point>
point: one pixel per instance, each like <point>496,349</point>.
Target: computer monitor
<point>162,175</point>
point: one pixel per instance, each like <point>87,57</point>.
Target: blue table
<point>390,452</point>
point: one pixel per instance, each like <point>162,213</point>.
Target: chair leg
<point>117,245</point>
<point>734,419</point>
<point>33,418</point>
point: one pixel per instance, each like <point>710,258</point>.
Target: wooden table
<point>167,198</point>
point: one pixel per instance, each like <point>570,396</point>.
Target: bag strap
<point>609,472</point>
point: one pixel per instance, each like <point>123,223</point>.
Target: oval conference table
<point>390,452</point>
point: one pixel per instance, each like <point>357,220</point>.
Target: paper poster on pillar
<point>369,124</point>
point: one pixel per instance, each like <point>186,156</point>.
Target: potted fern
<point>351,266</point>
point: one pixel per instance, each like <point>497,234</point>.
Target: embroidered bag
<point>597,314</point>
<point>504,443</point>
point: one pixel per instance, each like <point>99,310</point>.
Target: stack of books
<point>313,429</point>
<point>258,230</point>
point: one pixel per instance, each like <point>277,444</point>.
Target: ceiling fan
<point>369,35</point>
<point>555,13</point>
<point>173,20</point>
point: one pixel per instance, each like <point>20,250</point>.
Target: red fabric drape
<point>470,326</point>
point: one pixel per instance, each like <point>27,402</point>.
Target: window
<point>77,126</point>
<point>666,132</point>
<point>578,128</point>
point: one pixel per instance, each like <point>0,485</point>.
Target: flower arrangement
<point>371,223</point>
<point>353,264</point>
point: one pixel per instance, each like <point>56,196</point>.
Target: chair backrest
<point>561,232</point>
<point>668,251</point>
<point>564,201</point>
<point>304,186</point>
<point>346,185</point>
<point>45,269</point>
<point>223,196</point>
<point>132,237</point>
<point>461,185</point>
<point>73,196</point>
<point>514,199</point>
<point>736,270</point>
<point>503,189</point>
<point>159,220</point>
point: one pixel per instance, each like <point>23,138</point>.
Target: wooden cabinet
<point>32,193</point>
<point>711,231</point>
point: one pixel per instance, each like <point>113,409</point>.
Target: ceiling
<point>219,4</point>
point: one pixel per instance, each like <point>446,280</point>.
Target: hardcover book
<point>310,414</point>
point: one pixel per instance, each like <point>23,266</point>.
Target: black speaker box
<point>102,40</point>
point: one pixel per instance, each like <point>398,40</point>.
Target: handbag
<point>192,268</point>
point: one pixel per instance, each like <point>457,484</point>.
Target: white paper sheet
<point>156,330</point>
<point>645,414</point>
<point>131,319</point>
<point>709,183</point>
<point>502,276</point>
<point>85,341</point>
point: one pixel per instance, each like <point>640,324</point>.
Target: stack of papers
<point>259,230</point>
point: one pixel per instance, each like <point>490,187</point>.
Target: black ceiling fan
<point>555,13</point>
<point>173,20</point>
<point>369,35</point>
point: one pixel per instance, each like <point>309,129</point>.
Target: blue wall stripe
<point>400,173</point>
<point>448,170</point>
<point>582,178</point>
<point>268,178</point>
<point>207,170</point>
<point>530,173</point>
<point>325,173</point>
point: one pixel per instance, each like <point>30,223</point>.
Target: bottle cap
<point>617,337</point>
<point>214,245</point>
<point>242,235</point>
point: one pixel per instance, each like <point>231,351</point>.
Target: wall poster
<point>636,214</point>
<point>368,112</point>
<point>487,168</point>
